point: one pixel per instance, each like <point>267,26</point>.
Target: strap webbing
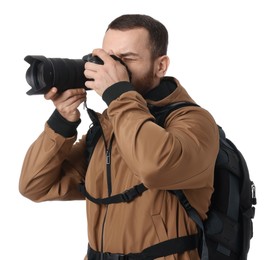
<point>161,113</point>
<point>93,135</point>
<point>126,196</point>
<point>195,217</point>
<point>169,247</point>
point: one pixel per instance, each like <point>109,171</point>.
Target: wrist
<point>116,90</point>
<point>62,126</point>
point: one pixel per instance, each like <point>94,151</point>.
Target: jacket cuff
<point>62,126</point>
<point>116,90</point>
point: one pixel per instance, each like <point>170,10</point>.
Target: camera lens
<point>45,73</point>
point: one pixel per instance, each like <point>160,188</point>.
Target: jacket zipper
<point>95,120</point>
<point>108,165</point>
<point>109,184</point>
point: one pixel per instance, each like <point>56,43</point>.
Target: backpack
<point>227,232</point>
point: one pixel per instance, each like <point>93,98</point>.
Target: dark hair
<point>157,31</point>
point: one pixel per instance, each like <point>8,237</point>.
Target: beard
<point>144,83</point>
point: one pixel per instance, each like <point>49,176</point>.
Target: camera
<point>45,73</point>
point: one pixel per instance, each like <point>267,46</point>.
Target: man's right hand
<point>67,102</point>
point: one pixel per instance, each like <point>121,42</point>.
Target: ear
<point>161,64</point>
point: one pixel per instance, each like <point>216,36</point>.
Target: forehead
<point>133,40</point>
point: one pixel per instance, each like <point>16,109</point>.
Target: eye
<point>128,59</point>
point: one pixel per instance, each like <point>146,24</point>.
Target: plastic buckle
<point>125,195</point>
<point>110,256</point>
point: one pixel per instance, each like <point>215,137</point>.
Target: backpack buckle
<point>110,256</point>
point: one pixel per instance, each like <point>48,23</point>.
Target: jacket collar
<point>164,89</point>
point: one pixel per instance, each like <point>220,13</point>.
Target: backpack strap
<point>192,213</point>
<point>171,246</point>
<point>125,196</point>
<point>162,249</point>
<point>93,135</point>
<point>161,113</point>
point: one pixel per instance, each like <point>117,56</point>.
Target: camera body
<point>44,73</point>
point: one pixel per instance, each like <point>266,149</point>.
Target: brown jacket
<point>181,156</point>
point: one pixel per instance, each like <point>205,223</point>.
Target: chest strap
<point>126,196</point>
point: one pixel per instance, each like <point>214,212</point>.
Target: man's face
<point>133,47</point>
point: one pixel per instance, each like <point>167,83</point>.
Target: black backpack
<point>227,232</point>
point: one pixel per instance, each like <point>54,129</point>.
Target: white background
<point>223,53</point>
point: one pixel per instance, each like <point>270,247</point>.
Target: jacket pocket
<point>161,233</point>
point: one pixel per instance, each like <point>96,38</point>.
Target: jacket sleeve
<point>54,165</point>
<point>181,156</point>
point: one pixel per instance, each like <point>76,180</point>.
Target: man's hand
<point>105,75</point>
<point>67,102</point>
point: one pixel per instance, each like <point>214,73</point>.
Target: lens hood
<point>40,74</point>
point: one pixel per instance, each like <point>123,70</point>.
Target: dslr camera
<point>45,73</point>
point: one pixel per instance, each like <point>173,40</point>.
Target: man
<point>132,149</point>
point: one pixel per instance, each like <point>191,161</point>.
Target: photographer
<point>130,150</point>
